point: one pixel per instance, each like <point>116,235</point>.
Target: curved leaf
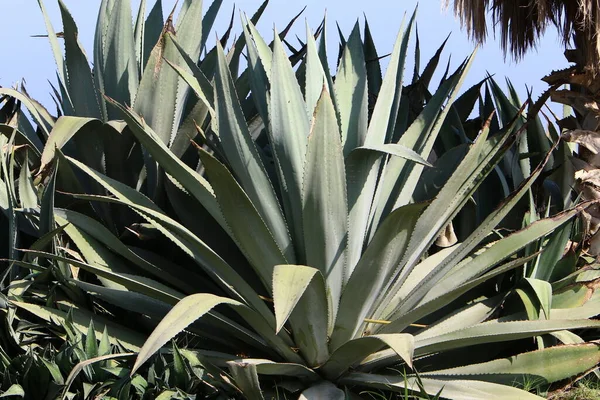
<point>248,228</point>
<point>447,388</point>
<point>356,350</point>
<point>550,365</point>
<point>180,317</point>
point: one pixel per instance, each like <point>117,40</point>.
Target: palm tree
<point>523,22</point>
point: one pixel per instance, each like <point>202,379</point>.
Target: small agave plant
<point>332,278</point>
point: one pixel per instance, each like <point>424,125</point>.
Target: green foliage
<point>283,229</point>
<point>87,366</point>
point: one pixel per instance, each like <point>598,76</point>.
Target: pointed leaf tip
<point>289,284</point>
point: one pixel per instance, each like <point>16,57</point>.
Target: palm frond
<point>522,22</point>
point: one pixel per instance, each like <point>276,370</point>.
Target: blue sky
<point>31,58</point>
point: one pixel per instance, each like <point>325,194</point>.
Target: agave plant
<point>326,275</point>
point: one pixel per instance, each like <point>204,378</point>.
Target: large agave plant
<point>328,275</point>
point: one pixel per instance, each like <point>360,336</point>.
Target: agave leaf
<point>200,85</point>
<point>54,371</point>
<point>64,130</point>
<point>567,337</point>
<point>478,162</point>
<point>82,90</point>
<point>15,390</point>
<point>208,21</point>
<point>482,231</point>
<point>543,292</point>
<point>243,156</point>
<point>176,275</point>
<point>27,193</point>
<point>118,63</point>
<point>257,69</point>
<point>496,331</point>
<point>362,177</point>
<point>270,368</point>
<point>550,365</point>
<point>578,302</point>
<point>316,81</point>
<point>373,270</point>
<point>31,140</point>
<point>422,269</point>
<point>235,53</point>
<point>45,241</point>
<point>401,177</point>
<point>465,103</point>
<point>43,123</point>
<point>91,344</point>
<point>325,210</point>
<point>356,350</point>
<point>146,305</point>
<point>351,93</point>
<point>193,182</point>
<point>388,98</point>
<point>448,388</point>
<point>54,44</point>
<point>61,71</point>
<point>81,320</point>
<point>136,283</point>
<point>43,111</point>
<point>472,314</point>
<point>179,372</point>
<point>83,364</point>
<point>442,298</point>
<point>553,252</point>
<point>180,317</point>
<point>212,263</point>
<point>325,61</point>
<point>128,300</point>
<point>5,196</point>
<point>190,33</point>
<point>288,132</point>
<point>246,377</point>
<point>95,254</point>
<point>374,76</point>
<point>152,32</point>
<point>304,300</point>
<point>396,150</point>
<point>249,229</point>
<point>503,249</point>
<point>138,36</point>
<point>289,284</point>
<point>156,99</point>
<point>472,268</point>
<point>11,201</point>
<point>160,98</point>
<point>47,205</point>
<point>195,306</point>
<point>100,36</point>
<point>323,391</point>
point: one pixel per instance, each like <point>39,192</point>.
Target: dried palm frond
<point>522,22</point>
